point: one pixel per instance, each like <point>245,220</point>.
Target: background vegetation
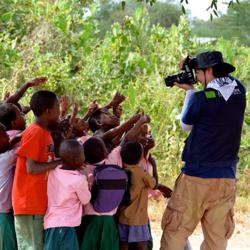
<point>92,50</point>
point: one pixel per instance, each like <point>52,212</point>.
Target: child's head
<point>45,106</point>
<point>103,119</point>
<point>94,150</point>
<point>131,152</point>
<point>4,139</point>
<point>71,153</point>
<point>11,117</point>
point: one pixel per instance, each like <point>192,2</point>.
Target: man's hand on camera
<point>184,86</point>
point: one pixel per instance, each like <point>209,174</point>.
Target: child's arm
<point>20,92</point>
<point>135,131</point>
<point>91,109</point>
<point>166,191</point>
<point>82,190</point>
<point>34,167</point>
<point>154,166</point>
<point>117,111</point>
<point>64,106</point>
<point>112,133</point>
<point>117,100</point>
<point>72,119</point>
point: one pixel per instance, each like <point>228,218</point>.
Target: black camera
<point>187,76</point>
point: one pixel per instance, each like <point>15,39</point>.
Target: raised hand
<point>117,99</point>
<point>64,105</point>
<point>6,95</point>
<point>93,106</point>
<point>37,81</point>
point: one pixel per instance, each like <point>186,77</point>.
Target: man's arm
<point>189,88</point>
<point>186,127</point>
<point>34,167</point>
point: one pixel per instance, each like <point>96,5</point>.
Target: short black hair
<point>70,148</point>
<point>7,114</point>
<point>41,101</point>
<point>131,152</point>
<point>94,150</point>
<point>92,120</point>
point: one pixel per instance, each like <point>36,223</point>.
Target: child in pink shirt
<point>99,231</point>
<point>67,193</point>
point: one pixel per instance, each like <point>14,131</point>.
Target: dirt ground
<point>239,241</point>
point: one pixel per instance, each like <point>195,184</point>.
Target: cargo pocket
<point>230,223</point>
<point>173,214</point>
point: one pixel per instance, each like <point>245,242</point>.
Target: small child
<point>7,168</point>
<point>99,231</point>
<point>12,118</point>
<point>133,219</point>
<point>67,192</point>
<point>34,156</point>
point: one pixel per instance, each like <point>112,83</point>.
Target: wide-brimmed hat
<point>209,59</point>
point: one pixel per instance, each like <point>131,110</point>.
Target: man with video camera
<point>205,190</point>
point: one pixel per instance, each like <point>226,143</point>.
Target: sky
<point>198,8</point>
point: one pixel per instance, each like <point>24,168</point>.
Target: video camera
<point>187,76</point>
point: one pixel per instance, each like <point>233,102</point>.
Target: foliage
<point>163,13</point>
<point>58,39</point>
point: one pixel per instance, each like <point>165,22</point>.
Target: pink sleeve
<point>82,190</point>
<point>115,157</point>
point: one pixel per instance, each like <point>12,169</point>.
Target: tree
<point>213,7</point>
<point>234,24</point>
<point>163,13</point>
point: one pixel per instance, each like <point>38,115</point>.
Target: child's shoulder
<point>35,130</point>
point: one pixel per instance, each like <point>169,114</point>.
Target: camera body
<point>187,76</point>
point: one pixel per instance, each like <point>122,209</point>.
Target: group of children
<point>48,172</point>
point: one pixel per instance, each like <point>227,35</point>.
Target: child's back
<point>67,193</point>
<point>133,218</point>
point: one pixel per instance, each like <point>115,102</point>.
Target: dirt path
<point>239,241</point>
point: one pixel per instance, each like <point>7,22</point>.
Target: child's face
<point>109,120</point>
<point>19,123</point>
<point>4,140</point>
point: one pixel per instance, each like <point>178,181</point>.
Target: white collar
<point>224,85</point>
